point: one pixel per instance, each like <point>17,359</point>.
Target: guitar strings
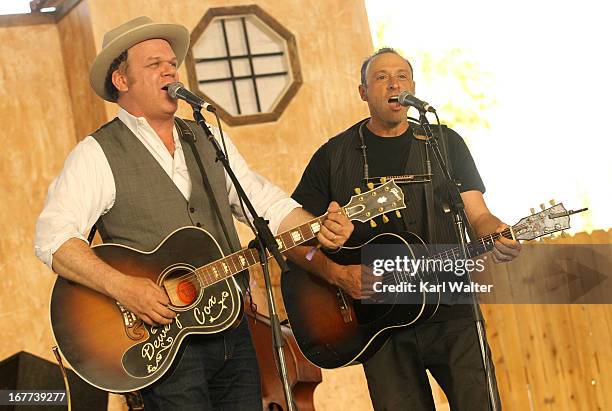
<point>195,274</point>
<point>397,277</point>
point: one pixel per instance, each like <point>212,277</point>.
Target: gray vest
<point>148,205</point>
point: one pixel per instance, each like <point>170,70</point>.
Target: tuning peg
<point>398,214</point>
<point>543,206</point>
<point>372,223</point>
<point>357,190</point>
<point>383,180</point>
<point>371,186</point>
<point>385,219</point>
<point>532,210</point>
<point>552,202</point>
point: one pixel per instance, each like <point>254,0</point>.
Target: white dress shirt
<point>85,188</point>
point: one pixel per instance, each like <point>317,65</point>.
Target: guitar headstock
<point>547,221</point>
<point>365,206</point>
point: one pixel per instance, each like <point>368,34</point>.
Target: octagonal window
<point>245,63</point>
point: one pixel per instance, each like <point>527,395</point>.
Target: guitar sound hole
<point>183,287</point>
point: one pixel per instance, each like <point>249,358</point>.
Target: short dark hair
<point>366,62</point>
<point>109,87</point>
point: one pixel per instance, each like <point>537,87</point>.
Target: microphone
<point>178,91</point>
<point>408,100</point>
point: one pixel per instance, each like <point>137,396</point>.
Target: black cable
<point>439,124</point>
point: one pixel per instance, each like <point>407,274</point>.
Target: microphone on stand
<point>178,91</point>
<point>408,100</point>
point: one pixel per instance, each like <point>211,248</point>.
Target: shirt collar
<point>139,125</point>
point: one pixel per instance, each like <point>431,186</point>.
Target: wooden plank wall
<point>555,356</point>
<point>547,356</point>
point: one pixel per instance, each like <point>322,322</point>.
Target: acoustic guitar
<point>112,349</point>
<point>333,330</point>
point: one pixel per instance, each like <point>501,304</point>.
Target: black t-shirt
<point>386,157</point>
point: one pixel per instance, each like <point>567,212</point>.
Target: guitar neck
<point>241,260</point>
<point>361,207</point>
<point>477,247</point>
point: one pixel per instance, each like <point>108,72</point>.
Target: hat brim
<point>176,35</point>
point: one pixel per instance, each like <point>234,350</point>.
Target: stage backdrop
<point>47,107</point>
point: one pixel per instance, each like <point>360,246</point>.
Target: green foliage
<point>461,89</point>
<point>467,87</point>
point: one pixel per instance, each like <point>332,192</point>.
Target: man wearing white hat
<point>137,182</point>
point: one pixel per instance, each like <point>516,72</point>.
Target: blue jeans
<point>218,372</point>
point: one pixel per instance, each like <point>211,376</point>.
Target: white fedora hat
<point>121,38</point>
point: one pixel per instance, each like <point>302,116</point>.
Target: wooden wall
<point>547,357</point>
<point>332,38</point>
<point>36,134</point>
<point>555,356</point>
<point>79,49</point>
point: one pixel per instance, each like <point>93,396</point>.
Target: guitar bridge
<point>131,323</point>
<point>344,308</point>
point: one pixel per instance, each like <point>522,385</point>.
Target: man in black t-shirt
<point>386,145</point>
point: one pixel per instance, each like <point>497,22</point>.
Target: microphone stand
<point>457,207</point>
<point>264,240</point>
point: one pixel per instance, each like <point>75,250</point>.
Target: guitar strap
<point>187,134</point>
<point>91,234</point>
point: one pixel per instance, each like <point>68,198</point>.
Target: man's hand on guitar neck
<point>505,249</point>
<point>485,223</point>
<point>334,232</point>
<point>336,229</point>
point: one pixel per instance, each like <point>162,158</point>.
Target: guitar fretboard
<point>475,248</point>
<point>361,207</point>
<point>248,257</point>
<point>245,258</point>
